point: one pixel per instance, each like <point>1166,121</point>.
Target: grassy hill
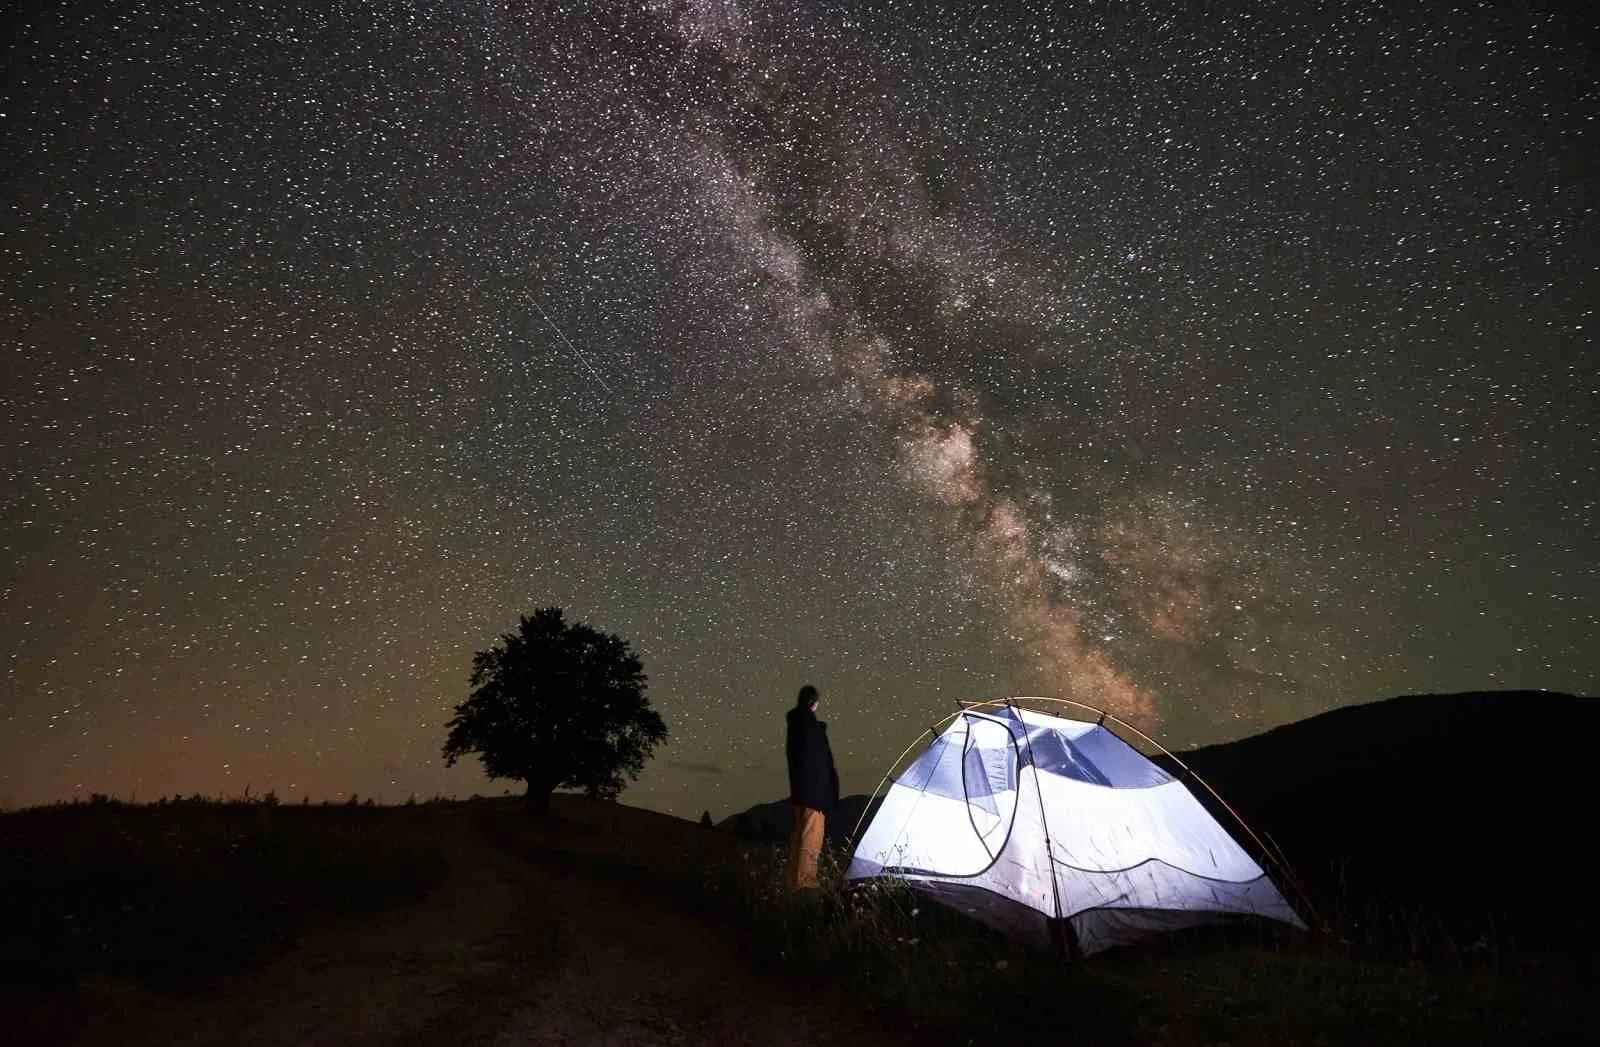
<point>171,893</point>
<point>477,923</point>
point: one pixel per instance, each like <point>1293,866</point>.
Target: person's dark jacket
<point>813,781</point>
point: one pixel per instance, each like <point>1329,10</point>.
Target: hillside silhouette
<point>769,822</point>
<point>1471,810</point>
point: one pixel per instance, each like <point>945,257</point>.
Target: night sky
<point>1216,364</point>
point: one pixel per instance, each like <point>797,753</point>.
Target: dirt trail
<point>644,971</point>
<point>514,948</point>
<point>378,982</point>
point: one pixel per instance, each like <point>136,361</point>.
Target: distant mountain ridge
<point>769,822</point>
<point>1472,810</point>
<point>1475,808</point>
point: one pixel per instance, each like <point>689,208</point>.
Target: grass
<point>1240,984</point>
<point>173,894</point>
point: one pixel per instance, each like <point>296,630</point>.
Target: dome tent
<point>1056,831</point>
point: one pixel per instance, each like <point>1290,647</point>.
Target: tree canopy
<point>557,705</point>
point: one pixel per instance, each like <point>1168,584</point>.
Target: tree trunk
<point>538,797</point>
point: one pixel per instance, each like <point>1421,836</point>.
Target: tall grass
<point>1247,982</point>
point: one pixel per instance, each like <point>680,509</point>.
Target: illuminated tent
<point>1057,831</point>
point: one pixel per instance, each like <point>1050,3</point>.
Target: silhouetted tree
<point>557,706</point>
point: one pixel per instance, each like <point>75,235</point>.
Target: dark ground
<point>601,924</point>
<point>521,938</point>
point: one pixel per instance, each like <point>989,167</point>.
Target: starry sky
<point>1211,363</point>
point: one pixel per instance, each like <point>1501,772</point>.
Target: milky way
<point>1213,368</point>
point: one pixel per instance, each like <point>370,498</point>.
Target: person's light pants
<point>805,846</point>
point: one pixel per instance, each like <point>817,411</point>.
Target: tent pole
<point>1271,854</point>
<point>855,833</point>
<point>1064,939</point>
<point>1268,851</point>
<point>1061,932</point>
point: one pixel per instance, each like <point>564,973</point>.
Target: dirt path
<point>379,982</point>
<point>640,970</point>
<point>517,947</point>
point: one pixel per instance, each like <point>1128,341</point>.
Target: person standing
<point>813,787</point>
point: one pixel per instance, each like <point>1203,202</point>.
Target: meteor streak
<point>575,351</point>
